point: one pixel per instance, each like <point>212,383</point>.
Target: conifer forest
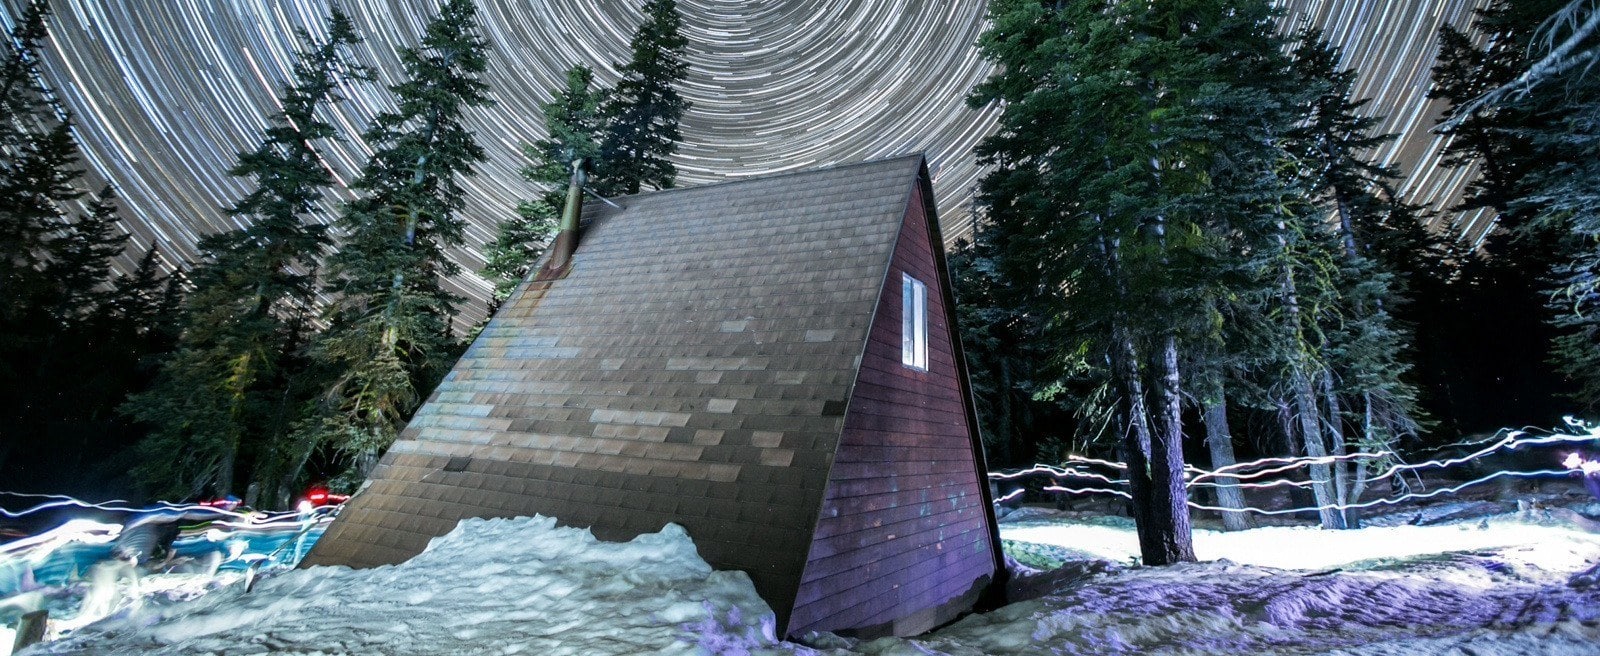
<point>1185,240</point>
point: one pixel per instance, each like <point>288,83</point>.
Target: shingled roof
<point>697,365</point>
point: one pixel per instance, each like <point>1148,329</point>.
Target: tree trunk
<point>225,468</point>
<point>1305,398</point>
<point>366,461</point>
<point>1219,438</point>
<point>1169,503</point>
<point>1311,440</point>
<point>240,377</point>
<point>1347,229</point>
<point>1135,440</point>
<point>1341,468</point>
<point>1007,429</point>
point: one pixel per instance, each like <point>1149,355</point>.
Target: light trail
<point>1290,463</point>
<point>1054,471</point>
<point>1512,439</point>
<point>189,513</point>
<point>1332,506</point>
<point>167,93</point>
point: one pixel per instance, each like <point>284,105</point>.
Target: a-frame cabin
<point>770,363</point>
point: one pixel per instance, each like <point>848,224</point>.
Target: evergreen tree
<point>389,327</point>
<point>1511,358</point>
<point>1219,367</point>
<point>518,243</point>
<point>136,297</point>
<point>1361,346</point>
<point>642,115</point>
<point>999,335</point>
<point>1495,138</point>
<point>1131,131</point>
<point>53,266</point>
<point>37,174</point>
<point>80,260</point>
<point>1563,189</point>
<point>225,398</point>
<point>624,136</point>
<point>1334,143</point>
<point>1569,192</point>
<point>574,125</point>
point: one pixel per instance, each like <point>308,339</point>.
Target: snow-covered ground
<point>519,586</point>
<point>1549,541</point>
<point>1507,584</point>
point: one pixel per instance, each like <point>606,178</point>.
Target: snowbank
<point>518,586</point>
<point>1509,584</point>
<point>1459,604</point>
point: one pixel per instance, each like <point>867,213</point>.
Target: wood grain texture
<point>904,526</point>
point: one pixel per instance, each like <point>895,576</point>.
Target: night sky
<point>167,92</point>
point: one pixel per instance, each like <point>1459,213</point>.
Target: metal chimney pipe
<point>566,240</point>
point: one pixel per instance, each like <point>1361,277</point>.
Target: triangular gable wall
<point>904,540</point>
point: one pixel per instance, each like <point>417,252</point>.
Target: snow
<point>522,586</point>
<point>1307,547</point>
<point>1518,583</point>
<point>1223,607</point>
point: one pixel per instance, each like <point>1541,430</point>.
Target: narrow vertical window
<point>913,322</point>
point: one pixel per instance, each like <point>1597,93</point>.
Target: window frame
<point>913,322</point>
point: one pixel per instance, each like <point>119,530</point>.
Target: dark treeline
<point>1187,253</point>
<point>74,337</point>
<point>297,346</point>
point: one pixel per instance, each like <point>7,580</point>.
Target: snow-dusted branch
<point>1580,20</point>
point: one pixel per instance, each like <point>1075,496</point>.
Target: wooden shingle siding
<point>903,526</point>
<point>696,366</point>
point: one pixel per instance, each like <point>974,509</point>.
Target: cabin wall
<point>902,540</point>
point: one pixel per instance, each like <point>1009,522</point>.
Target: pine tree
<point>1564,187</point>
<point>1128,139</point>
<point>1514,361</point>
<point>1570,192</point>
<point>37,174</point>
<point>223,398</point>
<point>1336,140</point>
<point>389,327</point>
<point>518,243</point>
<point>999,334</point>
<point>642,115</point>
<point>624,137</point>
<point>574,126</point>
<point>50,280</point>
<point>80,260</point>
<point>1360,345</point>
<point>1494,138</point>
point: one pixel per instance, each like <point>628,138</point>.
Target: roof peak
<point>767,177</point>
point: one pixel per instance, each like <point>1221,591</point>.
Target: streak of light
<point>1387,501</point>
<point>254,519</point>
<point>166,94</point>
<point>1509,440</point>
<point>86,531</point>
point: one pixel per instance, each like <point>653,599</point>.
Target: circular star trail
<point>166,93</point>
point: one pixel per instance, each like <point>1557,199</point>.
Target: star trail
<point>167,92</point>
